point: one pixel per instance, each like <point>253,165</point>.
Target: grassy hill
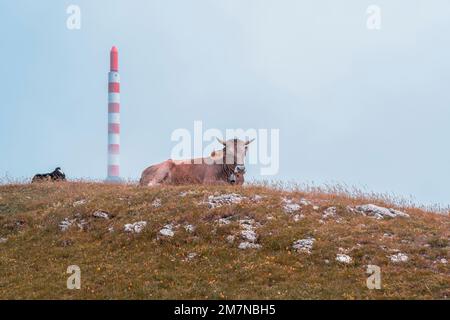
<point>214,242</point>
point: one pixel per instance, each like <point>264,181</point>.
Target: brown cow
<point>223,166</point>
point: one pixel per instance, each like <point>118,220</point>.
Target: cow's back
<point>187,173</point>
<point>40,177</point>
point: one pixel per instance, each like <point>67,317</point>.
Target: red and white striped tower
<point>114,118</point>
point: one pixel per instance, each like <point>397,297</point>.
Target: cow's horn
<point>249,141</point>
<point>221,141</point>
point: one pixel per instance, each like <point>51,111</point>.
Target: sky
<point>354,106</point>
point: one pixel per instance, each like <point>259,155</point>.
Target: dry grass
<point>34,259</point>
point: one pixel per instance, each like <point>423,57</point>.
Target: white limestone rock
<point>249,245</point>
<point>399,257</point>
<point>329,213</point>
<point>304,245</point>
<point>224,199</point>
<point>156,203</point>
<point>101,214</point>
<point>343,258</point>
<point>289,206</point>
<point>249,235</point>
<point>136,227</point>
<point>65,224</point>
<point>230,238</point>
<point>79,203</point>
<point>380,212</point>
<point>189,228</point>
<point>167,231</point>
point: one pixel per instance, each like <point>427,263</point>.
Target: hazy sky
<point>354,106</point>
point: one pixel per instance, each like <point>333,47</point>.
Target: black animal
<point>56,175</point>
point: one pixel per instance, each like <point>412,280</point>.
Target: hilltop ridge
<point>215,242</point>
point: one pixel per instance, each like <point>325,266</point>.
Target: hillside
<point>204,242</point>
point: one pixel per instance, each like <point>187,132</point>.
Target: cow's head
<point>234,152</point>
<point>236,178</point>
<point>58,173</point>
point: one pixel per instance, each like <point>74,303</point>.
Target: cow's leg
<point>162,175</point>
<point>157,179</point>
<point>149,175</point>
<point>155,175</point>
